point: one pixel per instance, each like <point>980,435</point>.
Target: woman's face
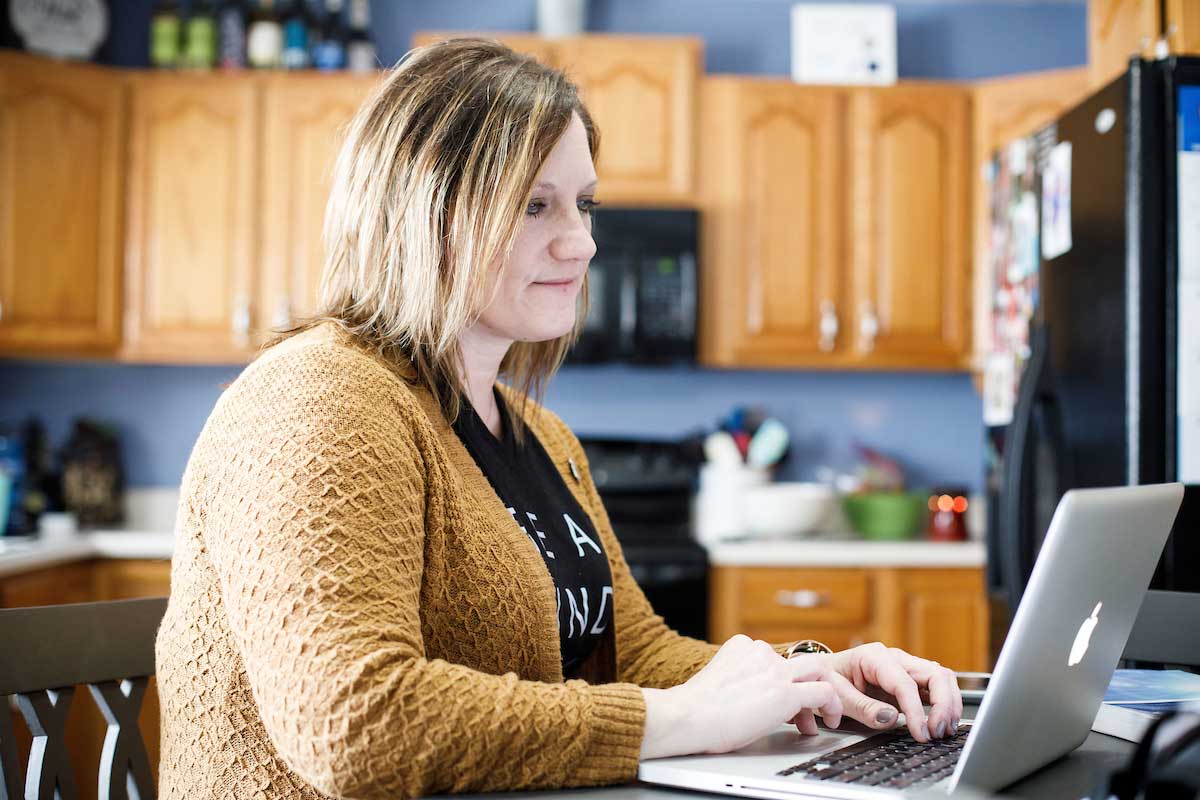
<point>539,284</point>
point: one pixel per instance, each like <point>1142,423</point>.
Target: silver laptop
<point>1065,641</point>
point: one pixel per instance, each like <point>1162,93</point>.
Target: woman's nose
<point>574,242</point>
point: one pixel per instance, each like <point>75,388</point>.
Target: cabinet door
<point>1117,30</point>
<point>303,121</point>
<point>191,234</point>
<point>773,240</point>
<point>642,95</point>
<point>910,223</point>
<point>61,173</point>
<point>1183,25</point>
<point>1004,110</point>
<point>939,614</point>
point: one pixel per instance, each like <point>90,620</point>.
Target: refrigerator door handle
<point>1015,542</point>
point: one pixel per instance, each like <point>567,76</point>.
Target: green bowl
<point>886,515</point>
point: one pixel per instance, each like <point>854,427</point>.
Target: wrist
<point>667,727</point>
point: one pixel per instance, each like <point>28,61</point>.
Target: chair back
<point>49,650</point>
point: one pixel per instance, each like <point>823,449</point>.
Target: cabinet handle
<point>828,326</point>
<point>283,313</point>
<point>801,598</point>
<point>1,310</point>
<point>869,327</point>
<point>241,321</point>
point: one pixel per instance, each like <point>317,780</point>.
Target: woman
<point>394,576</point>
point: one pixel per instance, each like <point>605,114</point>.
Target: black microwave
<point>642,287</point>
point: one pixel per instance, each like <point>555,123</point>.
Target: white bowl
<point>786,509</point>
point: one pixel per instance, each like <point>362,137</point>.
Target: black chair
<point>1166,630</point>
<point>47,652</point>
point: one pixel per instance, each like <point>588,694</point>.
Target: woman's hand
<point>746,691</point>
<point>872,681</point>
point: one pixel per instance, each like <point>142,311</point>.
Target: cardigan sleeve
<point>314,517</point>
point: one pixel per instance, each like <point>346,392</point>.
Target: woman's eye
<point>534,208</point>
<point>587,205</point>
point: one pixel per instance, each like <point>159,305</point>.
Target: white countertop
<point>25,555</point>
<point>18,556</point>
<point>846,553</point>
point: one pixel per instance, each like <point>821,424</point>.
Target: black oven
<point>647,488</point>
<point>643,291</point>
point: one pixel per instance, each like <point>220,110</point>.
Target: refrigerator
<point>1094,375</point>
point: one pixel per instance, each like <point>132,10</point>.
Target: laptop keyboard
<point>893,759</point>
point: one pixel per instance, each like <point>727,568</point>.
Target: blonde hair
<point>429,191</point>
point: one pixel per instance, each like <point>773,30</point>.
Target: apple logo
<point>1084,637</point>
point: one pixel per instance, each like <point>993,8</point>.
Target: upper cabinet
<point>774,224</point>
<point>1183,25</point>
<point>909,236</point>
<point>641,93</point>
<point>304,119</point>
<point>836,226</point>
<point>1117,30</point>
<point>191,254</point>
<point>62,137</point>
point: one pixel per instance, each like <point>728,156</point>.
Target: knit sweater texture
<point>354,613</point>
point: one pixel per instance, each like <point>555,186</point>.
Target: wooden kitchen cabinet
<point>62,137</point>
<point>304,117</point>
<point>642,94</point>
<point>909,241</point>
<point>937,613</point>
<point>1118,30</point>
<point>774,223</point>
<point>836,226</point>
<point>1183,25</point>
<point>191,239</point>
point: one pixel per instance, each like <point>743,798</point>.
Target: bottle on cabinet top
<point>361,55</point>
<point>200,36</point>
<point>231,32</point>
<point>329,51</point>
<point>165,34</point>
<point>264,37</point>
<point>296,27</point>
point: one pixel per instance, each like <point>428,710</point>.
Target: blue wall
<point>931,421</point>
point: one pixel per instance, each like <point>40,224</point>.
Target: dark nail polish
<point>886,716</point>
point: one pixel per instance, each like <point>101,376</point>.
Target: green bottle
<point>164,35</point>
<point>200,36</point>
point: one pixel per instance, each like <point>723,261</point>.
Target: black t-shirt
<point>533,491</point>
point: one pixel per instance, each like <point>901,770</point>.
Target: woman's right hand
<point>746,691</point>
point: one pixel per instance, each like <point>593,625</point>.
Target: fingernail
<point>886,715</point>
<point>940,731</point>
<point>925,730</point>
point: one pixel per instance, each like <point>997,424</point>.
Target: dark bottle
<point>165,34</point>
<point>200,36</point>
<point>36,496</point>
<point>361,55</point>
<point>329,52</point>
<point>264,37</point>
<point>295,35</point>
<point>231,30</point>
<point>12,484</point>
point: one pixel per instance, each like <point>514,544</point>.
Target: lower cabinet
<point>109,579</point>
<point>936,613</point>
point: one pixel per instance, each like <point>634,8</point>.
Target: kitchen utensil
<point>768,444</point>
<point>786,509</point>
<point>886,515</point>
<point>720,448</point>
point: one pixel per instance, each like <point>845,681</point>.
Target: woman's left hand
<point>874,681</point>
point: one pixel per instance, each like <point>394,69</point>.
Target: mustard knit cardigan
<point>354,613</point>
